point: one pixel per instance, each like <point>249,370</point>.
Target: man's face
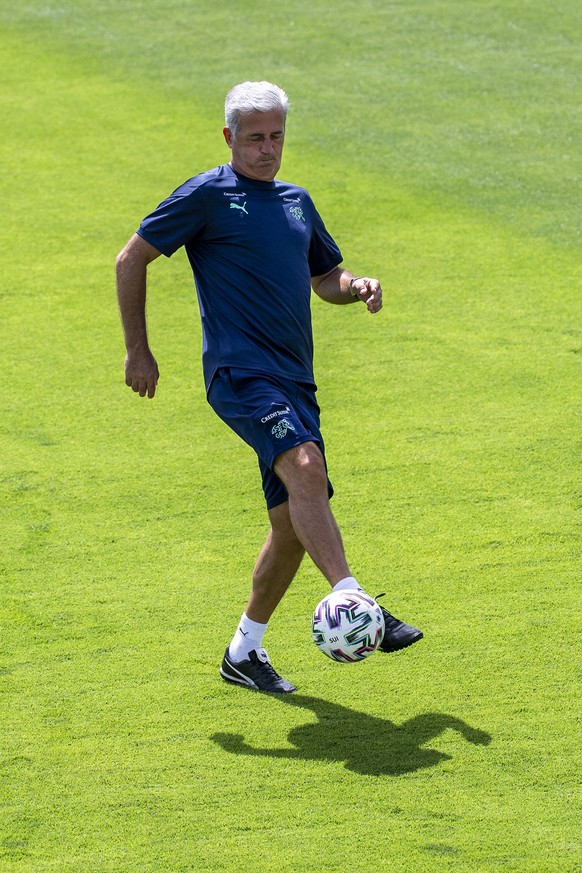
<point>258,146</point>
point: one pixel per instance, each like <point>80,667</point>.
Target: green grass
<point>441,142</point>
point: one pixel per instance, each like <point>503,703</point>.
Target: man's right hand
<point>141,373</point>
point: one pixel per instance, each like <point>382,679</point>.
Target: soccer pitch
<point>441,143</point>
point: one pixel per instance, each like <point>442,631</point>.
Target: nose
<point>267,147</point>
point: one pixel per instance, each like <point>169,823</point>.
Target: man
<point>257,246</point>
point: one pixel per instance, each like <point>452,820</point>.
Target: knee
<point>303,464</point>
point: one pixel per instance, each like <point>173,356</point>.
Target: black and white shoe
<point>256,673</point>
<point>397,634</point>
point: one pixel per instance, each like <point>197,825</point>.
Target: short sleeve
<point>324,253</point>
<point>176,221</point>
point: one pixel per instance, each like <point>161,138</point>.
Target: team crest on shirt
<point>280,429</point>
<point>297,213</point>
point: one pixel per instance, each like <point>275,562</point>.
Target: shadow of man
<point>364,743</point>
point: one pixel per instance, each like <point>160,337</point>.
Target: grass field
<point>441,142</point>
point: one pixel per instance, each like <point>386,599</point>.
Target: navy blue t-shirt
<point>253,247</point>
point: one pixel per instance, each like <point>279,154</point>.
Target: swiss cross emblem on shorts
<point>280,429</point>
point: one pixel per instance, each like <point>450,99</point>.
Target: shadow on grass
<point>365,744</point>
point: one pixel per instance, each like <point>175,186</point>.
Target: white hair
<point>252,97</point>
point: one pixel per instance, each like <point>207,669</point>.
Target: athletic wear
<point>397,634</point>
<point>269,413</point>
<point>348,584</point>
<point>248,636</point>
<point>253,247</point>
<point>256,673</point>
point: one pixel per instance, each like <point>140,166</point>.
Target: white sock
<point>249,635</point>
<point>348,584</point>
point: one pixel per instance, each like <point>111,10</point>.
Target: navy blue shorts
<point>269,413</point>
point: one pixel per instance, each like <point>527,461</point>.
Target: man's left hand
<point>370,291</point>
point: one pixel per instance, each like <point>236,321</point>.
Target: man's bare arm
<point>341,286</point>
<point>141,369</point>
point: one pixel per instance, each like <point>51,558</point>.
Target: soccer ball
<point>348,626</point>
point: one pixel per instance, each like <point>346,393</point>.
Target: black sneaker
<point>397,634</point>
<point>256,673</point>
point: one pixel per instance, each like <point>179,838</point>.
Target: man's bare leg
<point>302,471</point>
<point>245,661</point>
<point>304,523</point>
<point>276,566</point>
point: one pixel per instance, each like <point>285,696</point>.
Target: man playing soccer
<point>257,246</point>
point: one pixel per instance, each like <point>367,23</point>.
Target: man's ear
<point>228,137</point>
